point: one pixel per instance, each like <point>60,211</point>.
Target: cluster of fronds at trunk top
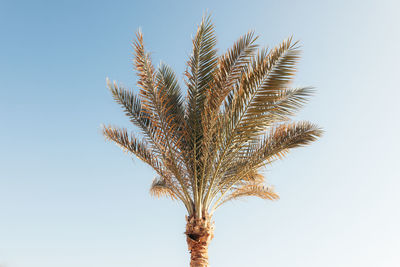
<point>208,148</point>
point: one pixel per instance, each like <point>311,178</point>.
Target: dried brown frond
<point>253,189</point>
<point>160,188</point>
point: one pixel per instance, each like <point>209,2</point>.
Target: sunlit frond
<point>157,94</point>
<point>280,140</point>
<point>171,104</point>
<point>244,118</point>
<point>160,188</point>
<point>132,107</point>
<point>274,146</point>
<point>129,143</point>
<point>230,68</point>
<point>145,72</point>
<point>263,86</point>
<point>254,189</point>
<point>201,66</point>
<point>209,148</point>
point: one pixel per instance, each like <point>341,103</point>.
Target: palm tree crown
<point>207,148</point>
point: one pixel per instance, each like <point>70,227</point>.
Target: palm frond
<point>274,146</point>
<point>157,107</point>
<point>272,109</point>
<point>263,83</point>
<point>201,66</point>
<point>145,72</point>
<point>129,143</point>
<point>168,83</point>
<point>199,75</point>
<point>226,75</point>
<point>171,104</point>
<point>253,189</point>
<point>231,66</point>
<point>279,141</point>
<point>132,107</point>
<point>160,188</point>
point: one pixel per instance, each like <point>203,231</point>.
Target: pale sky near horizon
<point>68,198</point>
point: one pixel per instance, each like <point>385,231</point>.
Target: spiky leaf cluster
<point>207,148</point>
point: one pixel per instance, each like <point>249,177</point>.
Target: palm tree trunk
<point>199,233</point>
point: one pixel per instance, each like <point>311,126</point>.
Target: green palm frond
<point>129,143</point>
<point>132,107</point>
<point>201,66</point>
<point>167,82</point>
<point>172,105</point>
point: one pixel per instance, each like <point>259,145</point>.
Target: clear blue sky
<point>68,198</point>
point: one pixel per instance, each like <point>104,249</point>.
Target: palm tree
<point>208,148</point>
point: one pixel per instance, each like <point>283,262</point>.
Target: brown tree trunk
<point>199,232</point>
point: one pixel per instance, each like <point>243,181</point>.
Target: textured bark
<point>199,232</point>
